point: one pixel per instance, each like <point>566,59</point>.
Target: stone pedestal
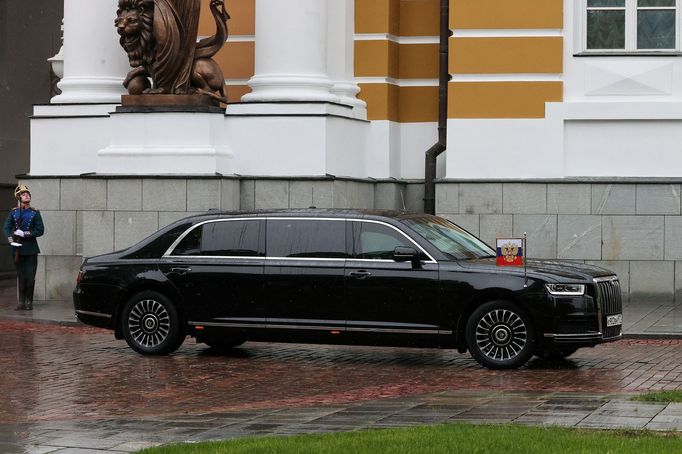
<point>166,140</point>
<point>65,138</point>
<point>297,139</point>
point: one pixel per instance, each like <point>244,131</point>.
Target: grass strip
<point>659,396</point>
<point>446,438</point>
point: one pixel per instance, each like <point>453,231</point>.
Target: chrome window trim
<point>308,259</point>
<point>172,247</point>
<point>232,257</point>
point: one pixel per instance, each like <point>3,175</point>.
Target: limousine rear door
<point>304,275</point>
<point>385,296</point>
<point>218,269</point>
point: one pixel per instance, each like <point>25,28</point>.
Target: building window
<point>631,25</point>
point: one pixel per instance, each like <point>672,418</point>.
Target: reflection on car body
<point>345,277</point>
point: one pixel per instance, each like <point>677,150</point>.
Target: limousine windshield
<point>449,238</point>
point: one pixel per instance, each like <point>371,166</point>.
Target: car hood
<point>550,270</point>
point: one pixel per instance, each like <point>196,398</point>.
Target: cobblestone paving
<point>82,372</point>
<point>56,380</point>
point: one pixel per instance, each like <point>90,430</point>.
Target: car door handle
<point>181,269</point>
<point>362,274</point>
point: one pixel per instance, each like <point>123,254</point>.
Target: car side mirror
<point>407,254</point>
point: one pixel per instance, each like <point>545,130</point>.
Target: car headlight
<point>566,289</point>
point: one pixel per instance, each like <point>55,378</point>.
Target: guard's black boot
<point>28,305</point>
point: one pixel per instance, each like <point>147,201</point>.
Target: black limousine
<point>343,277</point>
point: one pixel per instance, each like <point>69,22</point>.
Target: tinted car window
<point>376,241</point>
<point>306,238</point>
<point>449,238</point>
<point>159,245</point>
<point>224,238</point>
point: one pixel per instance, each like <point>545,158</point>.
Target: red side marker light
<point>335,332</point>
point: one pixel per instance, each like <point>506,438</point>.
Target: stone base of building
<point>632,228</point>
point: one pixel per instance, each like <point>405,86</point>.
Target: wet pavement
<point>68,388</point>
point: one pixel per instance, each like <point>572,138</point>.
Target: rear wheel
<point>151,325</point>
<point>499,335</point>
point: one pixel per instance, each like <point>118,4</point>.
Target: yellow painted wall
<point>382,101</point>
<point>242,18</point>
<point>237,59</point>
<point>501,99</point>
<point>420,17</point>
<point>377,16</point>
<point>468,56</point>
<point>522,55</point>
<point>505,14</point>
<point>376,58</point>
<point>400,104</point>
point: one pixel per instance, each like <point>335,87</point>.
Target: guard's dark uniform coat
<point>31,223</point>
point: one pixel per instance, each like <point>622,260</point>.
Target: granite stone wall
<point>634,229</point>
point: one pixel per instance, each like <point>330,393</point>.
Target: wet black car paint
<point>315,301</point>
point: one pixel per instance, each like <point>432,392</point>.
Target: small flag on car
<point>510,252</point>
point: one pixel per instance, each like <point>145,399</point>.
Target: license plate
<point>614,320</point>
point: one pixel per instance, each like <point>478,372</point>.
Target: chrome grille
<point>610,301</point>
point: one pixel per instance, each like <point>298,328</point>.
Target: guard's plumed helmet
<point>19,189</point>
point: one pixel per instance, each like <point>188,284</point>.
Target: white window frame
<point>631,9</point>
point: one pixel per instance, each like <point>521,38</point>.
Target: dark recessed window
<point>223,238</point>
<point>296,238</point>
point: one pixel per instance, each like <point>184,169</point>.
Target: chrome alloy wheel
<point>501,334</point>
<point>149,323</point>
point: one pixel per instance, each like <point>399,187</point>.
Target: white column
<point>94,62</point>
<point>291,52</point>
<point>340,53</point>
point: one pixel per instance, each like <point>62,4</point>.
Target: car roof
<point>309,212</point>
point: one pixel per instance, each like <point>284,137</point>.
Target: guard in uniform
<point>22,226</point>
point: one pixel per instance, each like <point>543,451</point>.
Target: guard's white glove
<point>19,233</point>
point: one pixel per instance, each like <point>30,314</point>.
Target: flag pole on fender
<point>525,261</point>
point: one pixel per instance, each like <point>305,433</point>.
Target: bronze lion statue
<point>160,38</point>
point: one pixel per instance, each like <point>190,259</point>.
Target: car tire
<point>500,335</point>
<point>225,343</point>
<point>151,325</point>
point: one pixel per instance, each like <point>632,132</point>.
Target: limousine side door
<point>218,269</point>
<point>385,296</point>
<point>304,275</point>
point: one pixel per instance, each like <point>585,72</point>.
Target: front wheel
<point>151,325</point>
<point>499,335</point>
